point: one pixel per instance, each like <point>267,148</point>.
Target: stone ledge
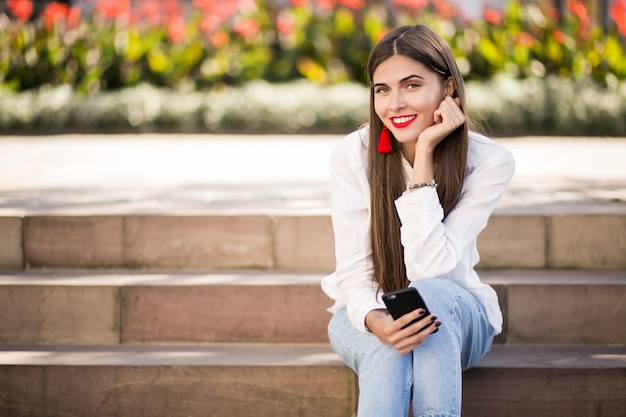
<point>148,241</point>
<point>91,307</point>
<point>11,243</point>
<point>285,380</point>
<point>284,242</point>
<point>135,381</point>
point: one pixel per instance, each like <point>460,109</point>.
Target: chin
<point>408,136</point>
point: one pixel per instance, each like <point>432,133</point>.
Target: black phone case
<point>403,301</point>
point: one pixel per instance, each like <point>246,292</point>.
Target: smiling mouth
<point>402,121</point>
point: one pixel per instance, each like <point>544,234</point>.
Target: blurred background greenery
<point>555,67</point>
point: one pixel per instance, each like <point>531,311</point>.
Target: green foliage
<point>508,107</point>
<point>215,43</point>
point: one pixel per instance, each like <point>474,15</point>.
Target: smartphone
<point>403,301</point>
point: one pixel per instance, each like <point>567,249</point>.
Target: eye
<point>412,86</point>
<point>381,90</point>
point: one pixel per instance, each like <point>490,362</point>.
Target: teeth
<point>403,119</point>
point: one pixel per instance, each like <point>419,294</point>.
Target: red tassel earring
<point>384,141</point>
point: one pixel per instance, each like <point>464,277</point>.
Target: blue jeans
<point>430,376</point>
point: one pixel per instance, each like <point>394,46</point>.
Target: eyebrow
<point>408,77</point>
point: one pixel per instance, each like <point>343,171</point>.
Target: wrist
<point>415,186</point>
<point>424,148</point>
<point>423,157</point>
<point>372,317</point>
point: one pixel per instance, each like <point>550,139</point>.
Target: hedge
<point>507,106</point>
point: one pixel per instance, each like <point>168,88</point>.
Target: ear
<point>449,87</point>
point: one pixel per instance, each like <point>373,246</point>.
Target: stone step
<point>231,380</point>
<point>152,381</point>
<point>516,240</point>
<point>547,381</point>
<point>146,307</point>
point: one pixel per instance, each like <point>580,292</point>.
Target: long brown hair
<point>386,174</point>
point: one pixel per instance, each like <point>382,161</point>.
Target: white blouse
<point>433,247</point>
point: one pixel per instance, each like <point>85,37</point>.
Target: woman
<point>410,194</point>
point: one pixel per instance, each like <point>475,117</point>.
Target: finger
<point>448,121</point>
<point>409,343</point>
<point>437,325</point>
<point>417,333</point>
<point>412,329</point>
<point>397,330</point>
<point>406,319</point>
<point>438,116</point>
<point>452,104</point>
<point>424,324</point>
<point>454,116</point>
<point>454,101</point>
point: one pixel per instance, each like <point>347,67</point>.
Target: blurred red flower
<point>580,11</point>
<point>211,21</point>
<point>618,14</point>
<point>444,8</point>
<point>176,28</point>
<point>248,28</point>
<point>325,4</point>
<point>553,13</point>
<point>352,4</point>
<point>55,11</point>
<point>492,16</point>
<point>524,39</point>
<point>73,17</point>
<point>285,24</point>
<point>559,36</point>
<point>204,5</point>
<point>147,13</point>
<point>113,9</point>
<point>300,3</point>
<point>217,12</point>
<point>412,4</point>
<point>172,7</point>
<point>176,23</point>
<point>219,39</point>
<point>22,9</point>
<point>224,7</point>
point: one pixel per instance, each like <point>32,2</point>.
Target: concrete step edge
<point>201,354</point>
<point>292,354</point>
<point>280,278</point>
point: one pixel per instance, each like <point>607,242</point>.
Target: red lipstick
<point>402,121</point>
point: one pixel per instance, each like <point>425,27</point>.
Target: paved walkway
<point>195,174</point>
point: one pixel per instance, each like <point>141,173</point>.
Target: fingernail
<point>436,330</point>
<point>422,311</point>
<point>438,324</point>
<point>433,318</point>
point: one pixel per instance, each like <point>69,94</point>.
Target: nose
<point>397,101</point>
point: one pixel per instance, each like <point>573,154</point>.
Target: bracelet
<point>421,185</point>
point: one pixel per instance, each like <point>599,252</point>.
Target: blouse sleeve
<point>351,219</point>
<point>434,246</point>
